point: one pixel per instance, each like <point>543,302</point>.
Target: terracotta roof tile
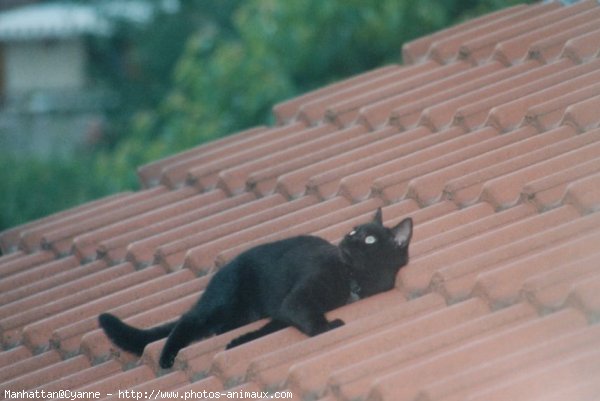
<point>309,378</point>
<point>202,258</point>
<point>28,364</point>
<point>495,345</point>
<point>172,254</point>
<point>450,261</point>
<point>31,237</point>
<point>390,180</point>
<point>582,115</point>
<point>286,111</point>
<point>115,249</point>
<point>547,192</point>
<point>346,111</point>
<point>83,377</point>
<point>350,382</point>
<point>546,379</point>
<point>270,370</point>
<point>467,189</point>
<point>314,111</point>
<point>488,139</point>
<point>233,179</point>
<point>585,296</point>
<point>582,48</point>
<point>508,115</point>
<point>504,191</point>
<point>428,188</point>
<point>141,250</point>
<point>549,290</point>
<point>310,225</point>
<point>25,272</point>
<point>584,194</point>
<point>60,239</point>
<point>517,48</point>
<point>172,296</point>
<point>443,114</point>
<point>406,109</point>
<point>11,266</point>
<point>331,182</point>
<point>172,170</point>
<point>549,48</point>
<point>447,46</point>
<point>498,289</point>
<point>414,51</point>
<point>85,246</point>
<point>34,378</point>
<point>461,385</point>
<point>458,280</point>
<point>481,47</point>
<point>473,115</point>
<point>10,239</point>
<point>206,175</point>
<point>264,181</point>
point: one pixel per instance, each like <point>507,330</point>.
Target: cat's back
<point>289,250</point>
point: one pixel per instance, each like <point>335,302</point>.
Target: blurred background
<point>90,90</point>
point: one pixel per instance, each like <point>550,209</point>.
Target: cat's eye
<point>351,233</point>
<point>370,240</point>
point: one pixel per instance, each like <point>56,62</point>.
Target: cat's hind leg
<point>130,338</point>
<point>190,327</point>
<point>271,327</point>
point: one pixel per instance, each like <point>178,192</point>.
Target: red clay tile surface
<point>488,137</point>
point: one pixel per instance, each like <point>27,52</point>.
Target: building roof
<point>488,136</point>
<point>66,19</point>
<point>52,20</point>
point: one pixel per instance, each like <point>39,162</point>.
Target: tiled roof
<point>488,136</point>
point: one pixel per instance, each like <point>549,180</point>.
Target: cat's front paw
<point>334,324</point>
<point>166,360</point>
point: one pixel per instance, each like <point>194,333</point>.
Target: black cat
<point>293,281</point>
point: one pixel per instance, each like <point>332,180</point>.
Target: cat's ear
<point>378,219</point>
<point>403,231</point>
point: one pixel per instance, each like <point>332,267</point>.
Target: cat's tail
<point>130,338</point>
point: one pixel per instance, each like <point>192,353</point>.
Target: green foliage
<point>212,69</point>
<point>34,188</point>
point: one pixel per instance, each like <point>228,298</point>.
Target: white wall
<point>35,65</point>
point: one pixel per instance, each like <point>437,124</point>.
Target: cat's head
<point>377,252</point>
